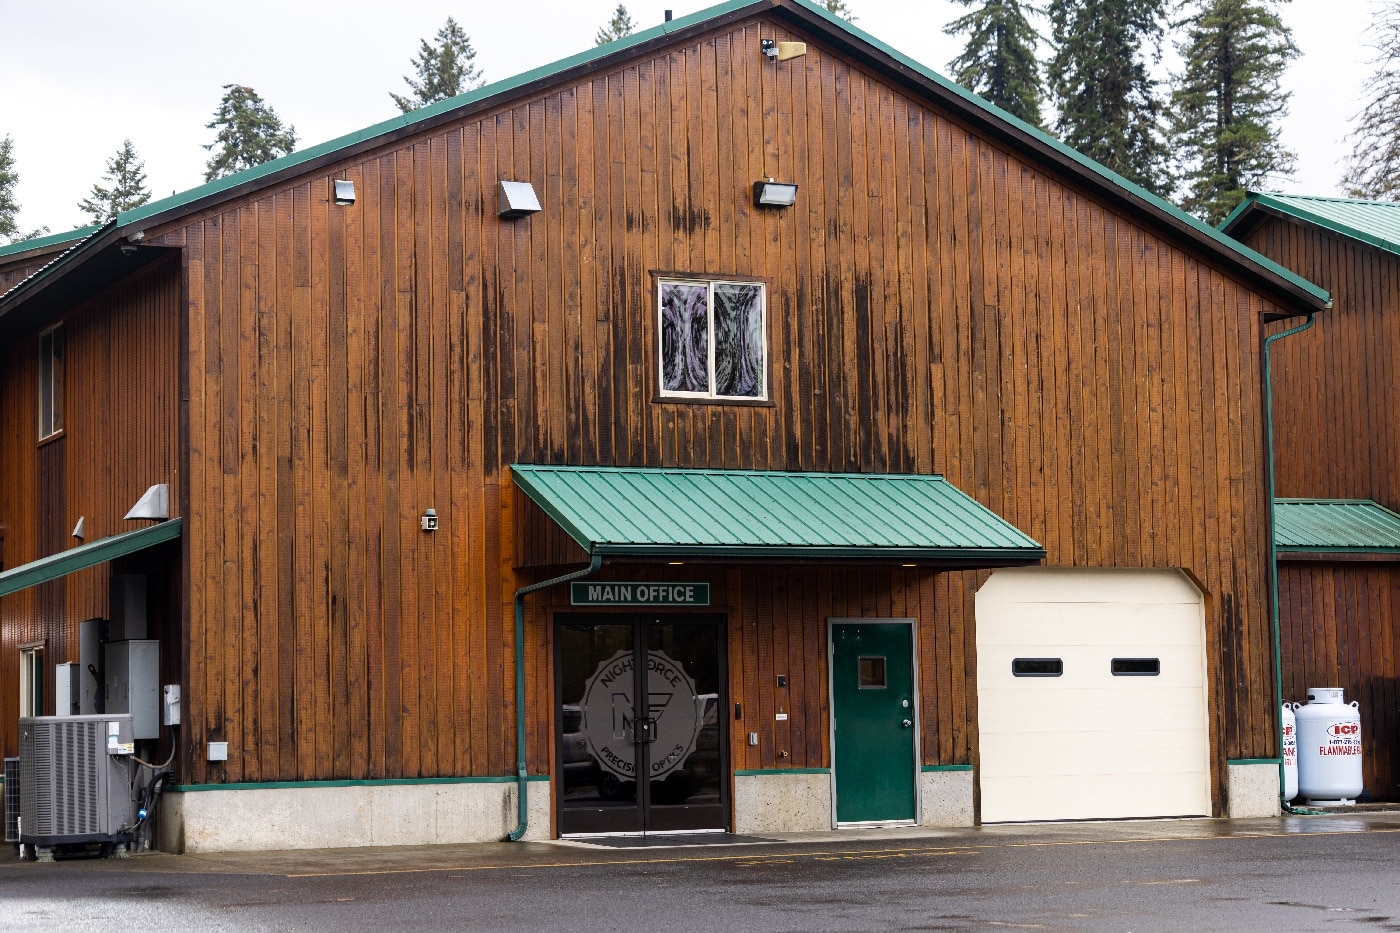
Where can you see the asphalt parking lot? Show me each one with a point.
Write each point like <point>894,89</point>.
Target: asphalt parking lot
<point>1292,873</point>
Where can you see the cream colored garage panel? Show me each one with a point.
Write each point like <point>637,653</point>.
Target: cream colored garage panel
<point>1088,744</point>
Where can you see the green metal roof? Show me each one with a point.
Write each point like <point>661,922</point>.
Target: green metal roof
<point>655,512</point>
<point>1373,222</point>
<point>344,145</point>
<point>53,239</point>
<point>1339,525</point>
<point>86,555</point>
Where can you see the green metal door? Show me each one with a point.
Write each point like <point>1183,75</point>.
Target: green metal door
<point>873,723</point>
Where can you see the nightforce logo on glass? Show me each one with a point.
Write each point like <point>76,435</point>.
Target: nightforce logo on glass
<point>607,708</point>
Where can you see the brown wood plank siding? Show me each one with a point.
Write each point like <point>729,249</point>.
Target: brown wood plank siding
<point>121,418</point>
<point>937,304</point>
<point>1336,437</point>
<point>1338,631</point>
<point>1337,386</point>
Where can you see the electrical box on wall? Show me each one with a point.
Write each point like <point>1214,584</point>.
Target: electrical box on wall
<point>91,633</point>
<point>170,705</point>
<point>133,684</point>
<point>67,681</point>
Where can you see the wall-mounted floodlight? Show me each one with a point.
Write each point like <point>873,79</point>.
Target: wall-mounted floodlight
<point>516,199</point>
<point>155,503</point>
<point>772,193</point>
<point>782,51</point>
<point>344,191</point>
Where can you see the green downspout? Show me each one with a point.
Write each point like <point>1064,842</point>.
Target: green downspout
<point>1273,554</point>
<point>521,778</point>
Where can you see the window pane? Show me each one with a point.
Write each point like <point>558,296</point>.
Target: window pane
<point>57,372</point>
<point>871,673</point>
<point>1037,667</point>
<point>1136,667</point>
<point>739,340</point>
<point>46,384</point>
<point>685,347</point>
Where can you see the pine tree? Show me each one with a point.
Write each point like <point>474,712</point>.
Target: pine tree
<point>1227,102</point>
<point>444,70</point>
<point>250,133</point>
<point>1099,82</point>
<point>841,8</point>
<point>1373,169</point>
<point>9,207</point>
<point>127,174</point>
<point>999,60</point>
<point>620,25</point>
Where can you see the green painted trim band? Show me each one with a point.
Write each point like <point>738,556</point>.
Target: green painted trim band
<point>1252,761</point>
<point>767,772</point>
<point>928,768</point>
<point>382,782</point>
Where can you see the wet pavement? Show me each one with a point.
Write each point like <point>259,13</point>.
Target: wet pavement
<point>1291,873</point>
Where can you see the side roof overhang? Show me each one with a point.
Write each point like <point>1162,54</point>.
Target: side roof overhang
<point>1375,223</point>
<point>1287,288</point>
<point>87,555</point>
<point>1331,530</point>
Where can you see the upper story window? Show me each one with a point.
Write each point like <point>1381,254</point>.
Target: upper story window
<point>714,339</point>
<point>51,382</point>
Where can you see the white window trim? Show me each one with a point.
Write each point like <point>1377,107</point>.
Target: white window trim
<point>31,697</point>
<point>711,394</point>
<point>50,385</point>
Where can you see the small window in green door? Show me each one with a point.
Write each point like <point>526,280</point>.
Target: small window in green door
<point>872,673</point>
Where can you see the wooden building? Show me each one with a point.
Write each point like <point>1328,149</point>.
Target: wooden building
<point>1337,441</point>
<point>931,495</point>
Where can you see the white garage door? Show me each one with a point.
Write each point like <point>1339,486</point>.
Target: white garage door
<point>1091,695</point>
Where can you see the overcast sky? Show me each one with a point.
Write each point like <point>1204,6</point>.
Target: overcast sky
<point>77,76</point>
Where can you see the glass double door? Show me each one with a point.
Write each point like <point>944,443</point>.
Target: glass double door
<point>641,735</point>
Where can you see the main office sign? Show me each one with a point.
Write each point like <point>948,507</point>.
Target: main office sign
<point>613,593</point>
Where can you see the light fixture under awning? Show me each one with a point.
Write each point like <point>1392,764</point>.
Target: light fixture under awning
<point>725,514</point>
<point>86,555</point>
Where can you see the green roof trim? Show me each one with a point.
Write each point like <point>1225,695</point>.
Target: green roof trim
<point>86,555</point>
<point>658,512</point>
<point>369,782</point>
<point>153,211</point>
<point>1373,222</point>
<point>53,239</point>
<point>1356,526</point>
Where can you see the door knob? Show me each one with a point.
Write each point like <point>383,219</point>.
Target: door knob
<point>907,723</point>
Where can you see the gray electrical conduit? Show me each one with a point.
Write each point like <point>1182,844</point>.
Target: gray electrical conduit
<point>521,782</point>
<point>1273,559</point>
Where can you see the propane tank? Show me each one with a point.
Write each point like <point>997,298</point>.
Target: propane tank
<point>1290,752</point>
<point>1329,748</point>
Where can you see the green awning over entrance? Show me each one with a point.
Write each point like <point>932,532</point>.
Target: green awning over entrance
<point>651,512</point>
<point>1358,526</point>
<point>85,555</point>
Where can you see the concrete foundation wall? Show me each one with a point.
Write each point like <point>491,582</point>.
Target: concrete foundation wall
<point>782,802</point>
<point>323,817</point>
<point>1252,790</point>
<point>946,798</point>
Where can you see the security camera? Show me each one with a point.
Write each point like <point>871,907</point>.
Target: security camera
<point>128,249</point>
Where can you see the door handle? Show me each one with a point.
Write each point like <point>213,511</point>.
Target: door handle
<point>908,723</point>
